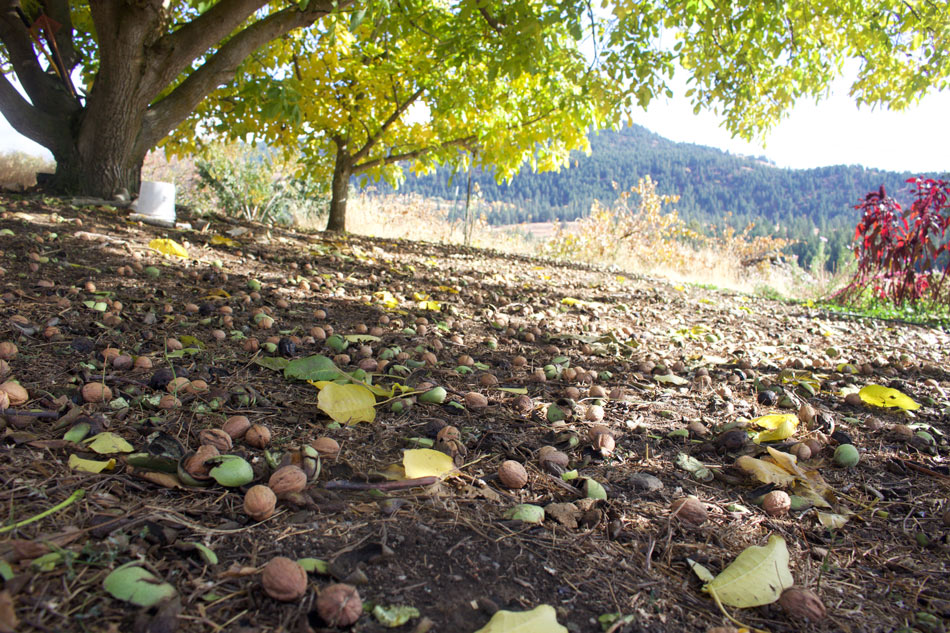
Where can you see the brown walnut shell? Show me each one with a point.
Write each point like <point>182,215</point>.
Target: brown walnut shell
<point>340,605</point>
<point>287,479</point>
<point>284,579</point>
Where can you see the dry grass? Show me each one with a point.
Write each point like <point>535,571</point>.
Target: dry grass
<point>18,170</point>
<point>719,263</point>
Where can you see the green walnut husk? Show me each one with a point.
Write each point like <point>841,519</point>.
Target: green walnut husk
<point>232,471</point>
<point>847,456</point>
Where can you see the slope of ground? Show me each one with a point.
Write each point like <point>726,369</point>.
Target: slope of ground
<point>672,374</point>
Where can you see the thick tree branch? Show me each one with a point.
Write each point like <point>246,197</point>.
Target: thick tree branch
<point>422,151</point>
<point>398,112</point>
<point>45,91</point>
<point>27,120</point>
<point>220,68</point>
<point>174,52</point>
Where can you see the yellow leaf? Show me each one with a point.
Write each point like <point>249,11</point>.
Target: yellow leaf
<point>90,465</point>
<point>831,521</point>
<point>880,396</point>
<point>786,460</point>
<point>541,619</point>
<point>425,462</point>
<point>420,296</point>
<point>386,298</point>
<point>766,472</point>
<point>347,404</point>
<point>220,239</point>
<point>448,289</point>
<point>433,306</point>
<point>756,577</point>
<point>784,430</point>
<point>571,301</point>
<point>105,443</point>
<point>168,247</point>
<point>774,420</point>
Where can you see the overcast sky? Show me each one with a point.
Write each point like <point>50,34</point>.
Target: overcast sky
<point>832,132</point>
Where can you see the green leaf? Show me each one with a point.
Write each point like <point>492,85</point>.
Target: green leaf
<point>277,363</point>
<point>541,619</point>
<point>392,617</point>
<point>694,467</point>
<point>138,586</point>
<point>207,554</point>
<point>315,368</point>
<point>314,565</point>
<point>347,404</point>
<point>756,577</point>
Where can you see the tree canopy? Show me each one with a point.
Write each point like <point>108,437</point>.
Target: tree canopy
<point>514,80</point>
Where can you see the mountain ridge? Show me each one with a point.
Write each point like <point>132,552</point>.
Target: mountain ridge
<point>813,206</point>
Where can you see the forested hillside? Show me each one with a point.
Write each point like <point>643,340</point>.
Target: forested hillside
<point>715,187</point>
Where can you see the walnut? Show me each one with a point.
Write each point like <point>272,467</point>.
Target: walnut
<point>602,439</point>
<point>340,605</point>
<point>553,460</point>
<point>195,465</point>
<point>217,438</point>
<point>328,447</point>
<point>287,479</point>
<point>236,426</point>
<point>258,436</point>
<point>259,502</point>
<point>512,474</point>
<point>777,503</point>
<point>802,604</point>
<point>284,579</point>
<point>96,392</point>
<point>475,400</point>
<point>689,510</point>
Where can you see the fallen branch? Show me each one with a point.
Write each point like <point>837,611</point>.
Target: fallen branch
<point>338,484</point>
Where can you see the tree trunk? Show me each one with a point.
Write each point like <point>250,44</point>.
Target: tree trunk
<point>99,145</point>
<point>340,189</point>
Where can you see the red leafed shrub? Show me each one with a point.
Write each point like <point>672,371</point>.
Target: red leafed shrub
<point>903,254</point>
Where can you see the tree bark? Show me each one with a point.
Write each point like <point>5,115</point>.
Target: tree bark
<point>340,188</point>
<point>99,146</point>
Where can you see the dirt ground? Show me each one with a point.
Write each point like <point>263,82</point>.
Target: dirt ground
<point>667,372</point>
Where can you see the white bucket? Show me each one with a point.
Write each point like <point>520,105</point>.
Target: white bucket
<point>155,204</point>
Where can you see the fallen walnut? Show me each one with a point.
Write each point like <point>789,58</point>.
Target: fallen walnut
<point>260,502</point>
<point>284,579</point>
<point>340,605</point>
<point>777,503</point>
<point>802,604</point>
<point>512,474</point>
<point>690,510</point>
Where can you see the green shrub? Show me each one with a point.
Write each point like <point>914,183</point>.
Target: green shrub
<point>254,184</point>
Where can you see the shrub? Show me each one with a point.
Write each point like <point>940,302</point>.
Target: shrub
<point>634,228</point>
<point>900,251</point>
<point>253,184</point>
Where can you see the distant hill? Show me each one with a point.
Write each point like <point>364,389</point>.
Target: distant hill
<point>714,187</point>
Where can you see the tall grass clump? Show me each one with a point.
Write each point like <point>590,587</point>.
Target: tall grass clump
<point>18,169</point>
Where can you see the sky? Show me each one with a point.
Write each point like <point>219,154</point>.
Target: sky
<point>832,132</point>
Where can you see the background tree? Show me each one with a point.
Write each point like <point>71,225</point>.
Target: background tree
<point>412,85</point>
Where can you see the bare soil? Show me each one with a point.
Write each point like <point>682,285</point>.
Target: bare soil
<point>76,281</point>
